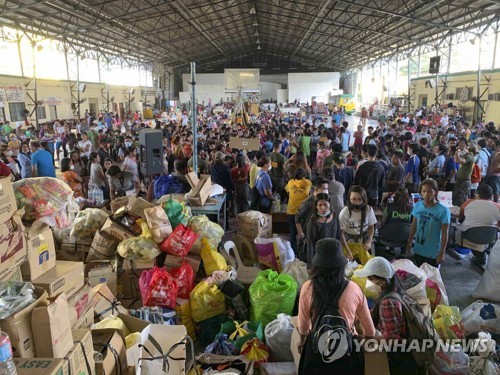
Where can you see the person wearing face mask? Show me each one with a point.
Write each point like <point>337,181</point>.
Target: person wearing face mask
<point>7,157</point>
<point>320,185</point>
<point>123,151</point>
<point>436,167</point>
<point>14,144</point>
<point>357,225</point>
<point>387,313</point>
<point>322,223</point>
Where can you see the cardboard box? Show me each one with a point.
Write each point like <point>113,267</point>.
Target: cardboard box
<point>65,277</point>
<point>41,251</point>
<point>118,203</point>
<point>105,303</point>
<point>102,272</point>
<point>39,366</point>
<point>18,327</point>
<point>72,256</point>
<point>79,303</point>
<point>112,346</point>
<point>172,261</point>
<point>102,248</point>
<point>13,274</point>
<point>136,206</point>
<point>86,320</point>
<point>277,368</point>
<point>12,244</point>
<point>133,324</point>
<point>81,356</point>
<point>244,143</point>
<point>129,282</point>
<point>52,329</point>
<point>116,231</point>
<point>200,188</point>
<point>251,224</point>
<point>8,204</point>
<point>134,265</point>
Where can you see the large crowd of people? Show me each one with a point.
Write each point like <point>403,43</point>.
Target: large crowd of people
<point>342,180</point>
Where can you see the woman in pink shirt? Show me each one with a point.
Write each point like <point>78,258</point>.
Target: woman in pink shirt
<point>327,285</point>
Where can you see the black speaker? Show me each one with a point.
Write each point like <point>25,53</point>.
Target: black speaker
<point>151,151</point>
<point>434,65</point>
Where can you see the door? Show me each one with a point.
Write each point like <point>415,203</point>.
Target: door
<point>422,100</point>
<point>53,112</point>
<point>122,111</point>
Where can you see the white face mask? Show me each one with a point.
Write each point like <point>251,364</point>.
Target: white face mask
<point>8,153</point>
<point>373,288</point>
<point>326,214</point>
<point>270,167</point>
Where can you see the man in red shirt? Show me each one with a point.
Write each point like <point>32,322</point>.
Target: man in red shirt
<point>239,174</point>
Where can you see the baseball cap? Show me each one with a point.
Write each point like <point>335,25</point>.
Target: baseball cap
<point>377,266</point>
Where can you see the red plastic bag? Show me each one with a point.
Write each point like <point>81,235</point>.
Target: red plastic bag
<point>162,289</point>
<point>144,282</point>
<point>180,241</point>
<point>184,277</point>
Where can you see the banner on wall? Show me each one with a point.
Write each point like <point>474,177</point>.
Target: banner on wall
<point>52,100</point>
<point>15,93</point>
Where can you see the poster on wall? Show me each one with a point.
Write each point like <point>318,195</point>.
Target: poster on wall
<point>52,100</point>
<point>14,93</point>
<point>3,98</point>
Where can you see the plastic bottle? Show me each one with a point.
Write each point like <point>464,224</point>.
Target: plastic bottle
<point>100,196</point>
<point>92,196</point>
<point>7,366</point>
<point>278,203</point>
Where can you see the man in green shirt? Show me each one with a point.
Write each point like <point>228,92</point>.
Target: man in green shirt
<point>7,129</point>
<point>461,191</point>
<point>305,144</point>
<point>277,172</point>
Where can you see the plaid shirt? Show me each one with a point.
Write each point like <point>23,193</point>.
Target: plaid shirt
<point>391,322</point>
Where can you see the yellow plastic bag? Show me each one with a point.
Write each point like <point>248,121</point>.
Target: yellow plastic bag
<point>132,339</point>
<point>358,252</point>
<point>183,312</point>
<point>240,331</point>
<point>212,260</point>
<point>255,350</point>
<point>206,302</point>
<point>146,233</point>
<point>448,322</point>
<point>361,281</point>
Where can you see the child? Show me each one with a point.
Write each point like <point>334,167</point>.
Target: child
<point>71,178</point>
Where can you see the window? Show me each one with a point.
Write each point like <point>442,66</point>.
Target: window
<point>53,112</point>
<point>40,112</point>
<point>17,111</point>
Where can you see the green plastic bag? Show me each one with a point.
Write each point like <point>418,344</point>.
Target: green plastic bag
<point>271,294</point>
<point>177,212</point>
<point>243,332</point>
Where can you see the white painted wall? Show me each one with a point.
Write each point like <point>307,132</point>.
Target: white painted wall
<point>208,86</point>
<point>61,90</point>
<point>269,90</point>
<point>282,96</point>
<point>307,85</point>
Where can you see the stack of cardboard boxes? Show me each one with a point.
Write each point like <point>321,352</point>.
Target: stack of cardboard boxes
<point>43,334</point>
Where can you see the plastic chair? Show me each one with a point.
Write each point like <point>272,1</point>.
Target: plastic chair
<point>486,235</point>
<point>246,250</point>
<point>246,275</point>
<point>394,235</point>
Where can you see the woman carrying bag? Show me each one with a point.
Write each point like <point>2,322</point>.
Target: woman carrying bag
<point>357,225</point>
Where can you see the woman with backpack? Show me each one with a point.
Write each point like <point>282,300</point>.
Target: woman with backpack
<point>388,312</point>
<point>263,187</point>
<point>328,292</point>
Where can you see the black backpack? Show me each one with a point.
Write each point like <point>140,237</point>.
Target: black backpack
<point>331,335</point>
<point>255,196</point>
